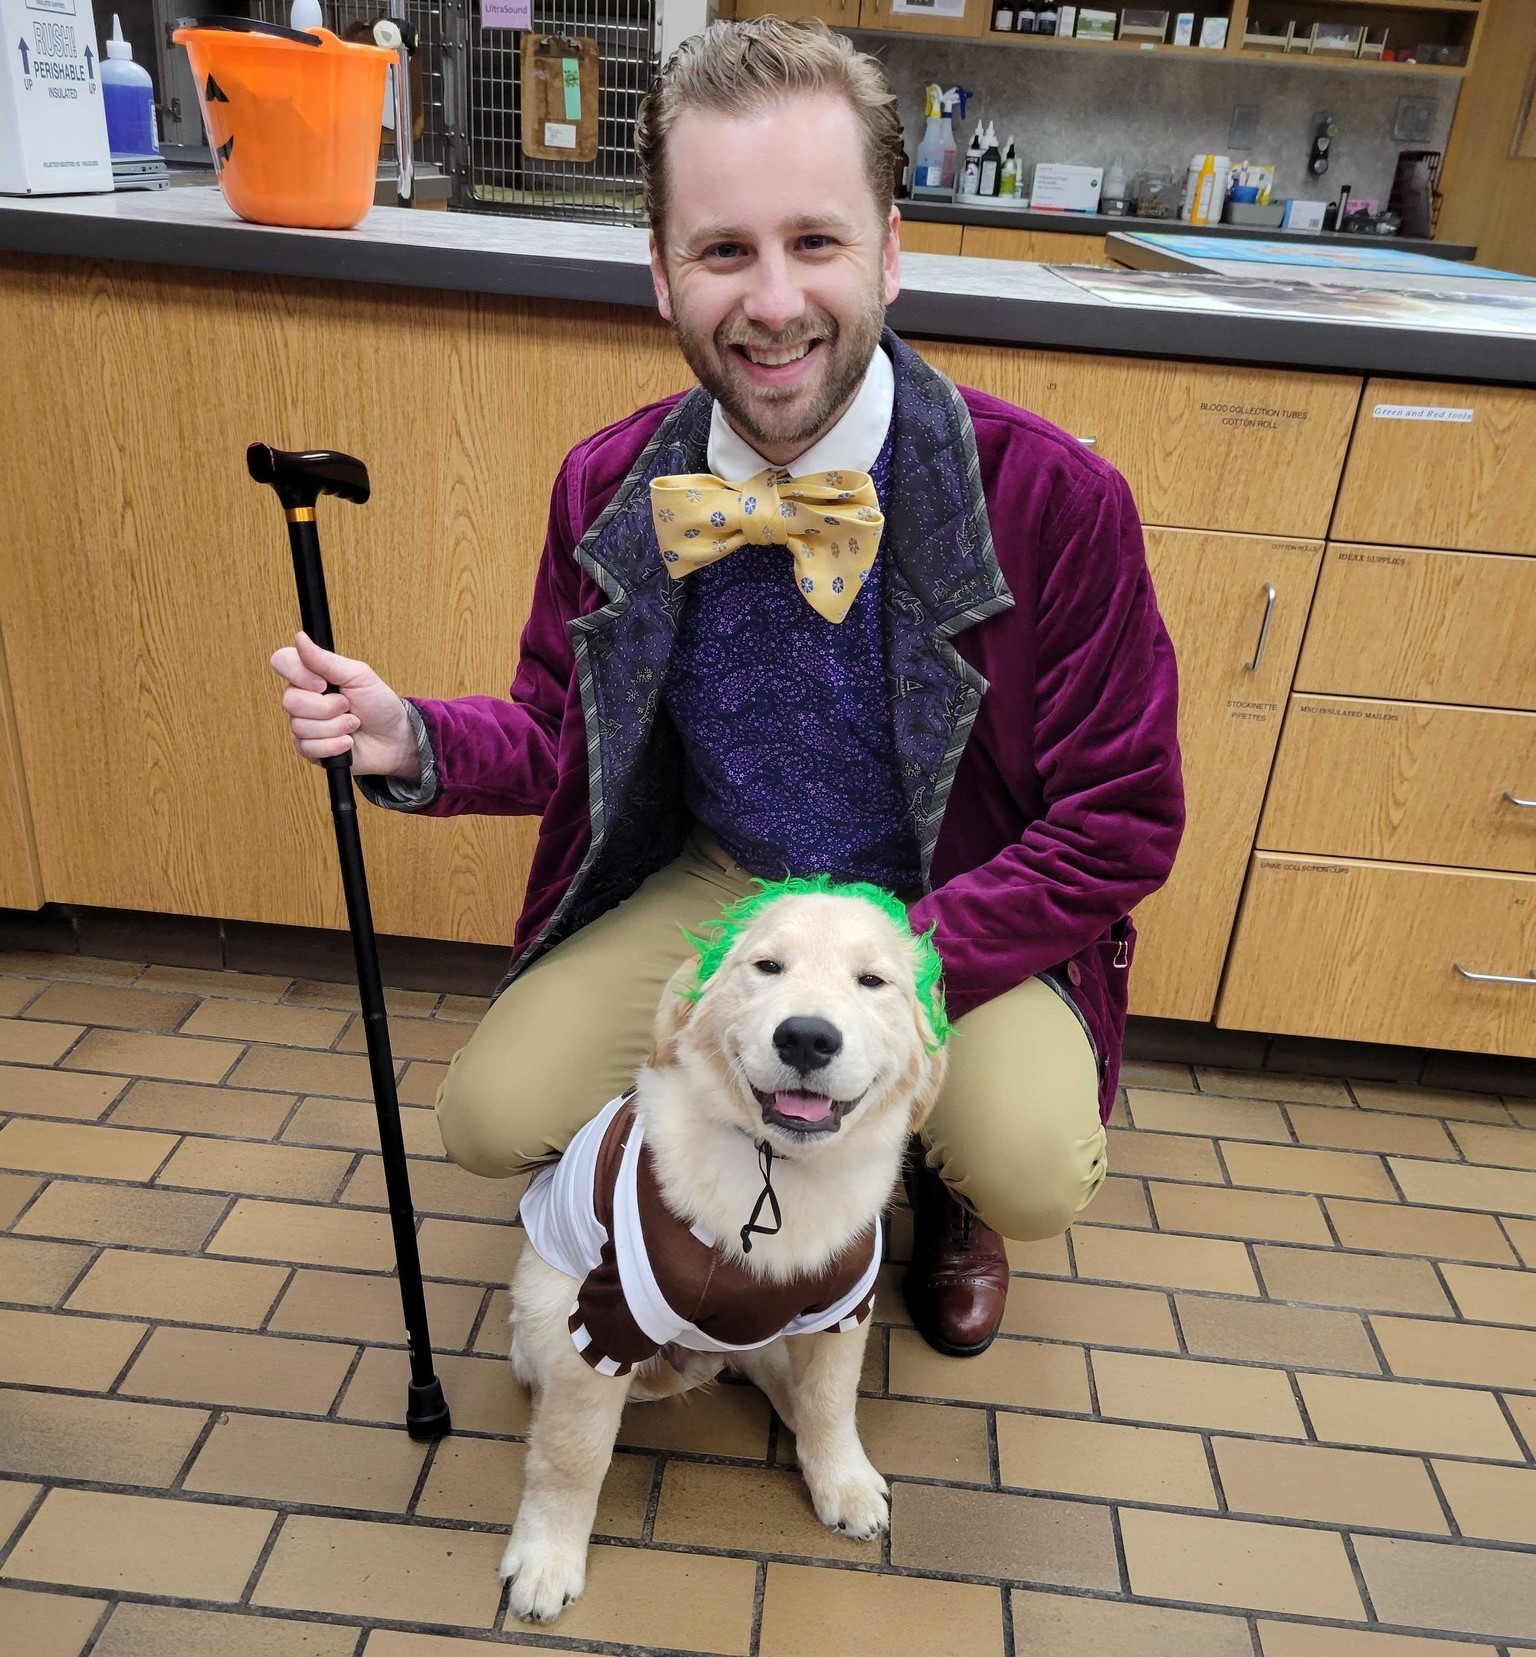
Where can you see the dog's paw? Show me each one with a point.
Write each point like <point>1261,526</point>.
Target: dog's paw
<point>855,1501</point>
<point>545,1577</point>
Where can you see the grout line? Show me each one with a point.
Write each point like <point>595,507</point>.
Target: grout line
<point>994,1454</point>
<point>759,1593</point>
<point>94,1638</point>
<point>1213,1467</point>
<point>1252,1623</point>
<point>204,1433</point>
<point>8,1544</point>
<point>1122,1564</point>
<point>1009,1643</point>
<point>1361,1587</point>
<point>128,1363</point>
<point>653,1498</point>
<point>279,1519</point>
<point>1452,1525</point>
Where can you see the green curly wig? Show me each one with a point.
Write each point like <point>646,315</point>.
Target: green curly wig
<point>735,918</point>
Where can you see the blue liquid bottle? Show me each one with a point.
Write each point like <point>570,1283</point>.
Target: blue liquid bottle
<point>128,95</point>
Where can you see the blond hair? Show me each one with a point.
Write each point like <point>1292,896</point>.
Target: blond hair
<point>739,68</point>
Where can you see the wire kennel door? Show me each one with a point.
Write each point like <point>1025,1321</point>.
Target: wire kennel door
<point>495,175</point>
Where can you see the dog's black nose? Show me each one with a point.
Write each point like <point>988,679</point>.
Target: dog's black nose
<point>807,1044</point>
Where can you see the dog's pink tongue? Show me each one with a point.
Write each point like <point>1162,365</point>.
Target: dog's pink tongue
<point>802,1107</point>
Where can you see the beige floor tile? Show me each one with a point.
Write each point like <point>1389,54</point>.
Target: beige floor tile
<point>722,1420</point>
<point>681,1601</point>
<point>1523,1234</point>
<point>122,1009</point>
<point>48,1625</point>
<point>1300,1337</point>
<point>1497,1147</point>
<point>1424,1101</point>
<point>1367,1282</point>
<point>51,1349</point>
<point>410,1038</point>
<point>1260,1216</point>
<point>1046,1258</point>
<point>297,1070</point>
<point>352,1126</point>
<point>439,1188</point>
<point>1186,1393</point>
<point>1090,1312</point>
<point>464,1009</point>
<point>1297,1639</point>
<point>1489,1296</point>
<point>15,1499</point>
<point>1334,1487</point>
<point>1201,1113</point>
<point>987,1533</point>
<point>1118,1201</point>
<point>1319,1173</point>
<point>419,1084</point>
<point>176,1631</point>
<point>1053,1625</point>
<point>469,1251</point>
<point>34,1273</point>
<point>923,1441</point>
<point>1370,1130</point>
<point>751,1510</point>
<point>84,968</point>
<point>1238,1563</point>
<point>69,1094</point>
<point>241,1167</point>
<point>876,1365</point>
<point>94,1153</point>
<point>317,1463</point>
<point>1439,1585</point>
<point>122,1214</point>
<point>397,1573</point>
<point>890,1307</point>
<point>1494,1503</point>
<point>359,1307</point>
<point>257,1372</point>
<point>179,1289</point>
<point>27,1041</point>
<point>483,1393</point>
<point>1471,1354</point>
<point>265,1022</point>
<point>318,992</point>
<point>141,1545</point>
<point>1164,1156</point>
<point>394,1642</point>
<point>1272,1084</point>
<point>809,1612</point>
<point>481,1481</point>
<point>1456,1185</point>
<point>1025,1374</point>
<point>304,1235</point>
<point>16,1191</point>
<point>1523,1409</point>
<point>171,1058</point>
<point>494,1335</point>
<point>1394,1415</point>
<point>1176,1078</point>
<point>1101,1458</point>
<point>241,986</point>
<point>15,993</point>
<point>1166,1261</point>
<point>1439,1234</point>
<point>185,1107</point>
<point>55,1435</point>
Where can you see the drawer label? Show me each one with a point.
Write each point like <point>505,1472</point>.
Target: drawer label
<point>1330,712</point>
<point>1422,411</point>
<point>1368,557</point>
<point>1259,712</point>
<point>1255,415</point>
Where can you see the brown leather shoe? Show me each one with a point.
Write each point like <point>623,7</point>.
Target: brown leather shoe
<point>957,1284</point>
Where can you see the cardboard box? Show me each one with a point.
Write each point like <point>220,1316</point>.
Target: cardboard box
<point>1304,215</point>
<point>1184,29</point>
<point>1144,23</point>
<point>1062,189</point>
<point>1213,33</point>
<point>53,125</point>
<point>1066,21</point>
<point>1093,24</point>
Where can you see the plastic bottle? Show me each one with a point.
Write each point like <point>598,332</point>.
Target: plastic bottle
<point>1008,183</point>
<point>970,179</point>
<point>1002,17</point>
<point>930,152</point>
<point>305,14</point>
<point>991,163</point>
<point>128,97</point>
<point>1191,188</point>
<point>956,95</point>
<point>1114,181</point>
<point>1024,19</point>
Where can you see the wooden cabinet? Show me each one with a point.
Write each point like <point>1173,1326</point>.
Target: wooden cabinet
<point>1237,650</point>
<point>1437,465</point>
<point>843,14</point>
<point>1405,782</point>
<point>1423,626</point>
<point>1046,247</point>
<point>879,14</point>
<point>1378,952</point>
<point>1202,446</point>
<point>924,236</point>
<point>21,885</point>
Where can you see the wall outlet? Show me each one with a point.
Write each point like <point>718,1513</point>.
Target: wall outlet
<point>1245,129</point>
<point>1415,123</point>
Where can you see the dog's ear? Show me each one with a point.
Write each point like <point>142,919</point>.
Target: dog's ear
<point>672,1012</point>
<point>935,1067</point>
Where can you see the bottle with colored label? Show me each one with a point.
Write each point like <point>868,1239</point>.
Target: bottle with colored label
<point>128,97</point>
<point>991,163</point>
<point>971,177</point>
<point>1009,184</point>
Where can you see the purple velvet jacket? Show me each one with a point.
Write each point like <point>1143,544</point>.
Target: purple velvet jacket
<point>1033,689</point>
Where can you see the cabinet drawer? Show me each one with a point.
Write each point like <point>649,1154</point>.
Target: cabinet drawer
<point>1202,446</point>
<point>1046,247</point>
<point>1423,627</point>
<point>1405,782</point>
<point>1442,482</point>
<point>924,236</point>
<point>877,14</point>
<point>1370,952</point>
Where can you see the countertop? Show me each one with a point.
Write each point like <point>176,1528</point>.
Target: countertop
<point>997,301</point>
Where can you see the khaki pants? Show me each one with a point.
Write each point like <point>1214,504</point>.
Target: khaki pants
<point>1016,1132</point>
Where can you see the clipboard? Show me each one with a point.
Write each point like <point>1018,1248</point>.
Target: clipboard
<point>559,97</point>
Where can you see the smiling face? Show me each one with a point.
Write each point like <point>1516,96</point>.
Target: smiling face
<point>776,264</point>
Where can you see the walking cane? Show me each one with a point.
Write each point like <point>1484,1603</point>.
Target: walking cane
<point>299,480</point>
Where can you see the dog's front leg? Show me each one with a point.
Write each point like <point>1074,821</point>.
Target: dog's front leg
<point>570,1444</point>
<point>847,1492</point>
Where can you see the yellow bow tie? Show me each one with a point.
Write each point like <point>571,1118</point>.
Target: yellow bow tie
<point>830,521</point>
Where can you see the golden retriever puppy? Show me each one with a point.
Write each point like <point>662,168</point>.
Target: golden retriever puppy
<point>727,1212</point>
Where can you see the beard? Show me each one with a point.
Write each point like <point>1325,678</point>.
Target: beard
<point>785,416</point>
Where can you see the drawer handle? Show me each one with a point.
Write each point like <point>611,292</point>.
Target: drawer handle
<point>1269,610</point>
<point>1514,799</point>
<point>1089,442</point>
<point>1495,977</point>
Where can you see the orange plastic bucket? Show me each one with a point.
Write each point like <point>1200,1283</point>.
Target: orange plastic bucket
<point>292,118</point>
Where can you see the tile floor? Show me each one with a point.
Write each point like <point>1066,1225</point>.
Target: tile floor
<point>1274,1397</point>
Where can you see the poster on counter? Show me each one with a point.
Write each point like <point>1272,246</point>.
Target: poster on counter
<point>506,14</point>
<point>928,8</point>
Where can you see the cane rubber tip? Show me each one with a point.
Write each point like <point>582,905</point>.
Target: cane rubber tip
<point>426,1410</point>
